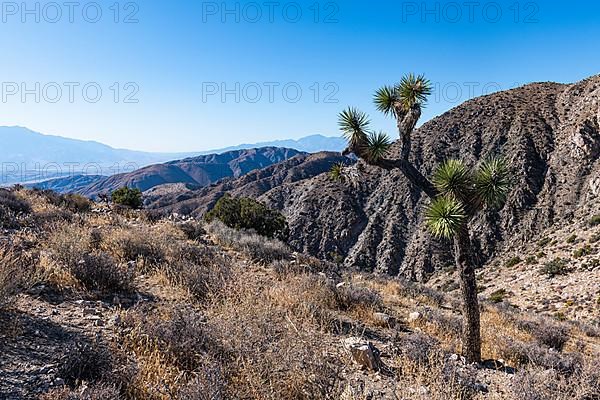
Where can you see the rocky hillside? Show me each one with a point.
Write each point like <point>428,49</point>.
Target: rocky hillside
<point>197,171</point>
<point>550,134</point>
<point>184,199</point>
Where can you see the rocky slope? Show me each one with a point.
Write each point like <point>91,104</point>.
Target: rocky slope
<point>549,132</point>
<point>185,199</point>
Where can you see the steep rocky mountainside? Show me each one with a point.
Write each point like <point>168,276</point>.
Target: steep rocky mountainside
<point>185,199</point>
<point>198,171</point>
<point>550,134</point>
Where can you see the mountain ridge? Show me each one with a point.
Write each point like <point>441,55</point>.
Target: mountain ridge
<point>549,132</point>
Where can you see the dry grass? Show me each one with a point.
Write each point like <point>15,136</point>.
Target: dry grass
<point>259,248</point>
<point>16,274</point>
<point>249,319</point>
<point>74,256</point>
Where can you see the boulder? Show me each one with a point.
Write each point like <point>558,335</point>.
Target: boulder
<point>363,353</point>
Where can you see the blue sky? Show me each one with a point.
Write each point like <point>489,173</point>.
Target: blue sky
<point>162,66</point>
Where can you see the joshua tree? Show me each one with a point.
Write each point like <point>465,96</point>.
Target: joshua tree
<point>456,192</point>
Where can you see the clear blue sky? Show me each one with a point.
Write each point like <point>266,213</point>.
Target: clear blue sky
<point>180,54</point>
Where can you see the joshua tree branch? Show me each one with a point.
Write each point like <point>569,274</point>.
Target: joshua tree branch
<point>408,170</point>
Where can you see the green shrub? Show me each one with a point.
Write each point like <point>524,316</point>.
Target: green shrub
<point>584,251</point>
<point>595,220</point>
<point>498,296</point>
<point>531,260</point>
<point>512,262</point>
<point>544,242</point>
<point>76,203</point>
<point>558,266</point>
<point>127,197</point>
<point>572,239</point>
<point>246,213</point>
<point>594,238</point>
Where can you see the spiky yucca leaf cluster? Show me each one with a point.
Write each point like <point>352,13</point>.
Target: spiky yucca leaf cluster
<point>492,182</point>
<point>373,146</point>
<point>411,91</point>
<point>385,100</point>
<point>378,146</point>
<point>453,178</point>
<point>462,192</point>
<point>337,171</point>
<point>445,216</point>
<point>354,124</point>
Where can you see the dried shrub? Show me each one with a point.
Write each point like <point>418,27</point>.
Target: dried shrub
<point>16,272</point>
<point>98,391</point>
<point>76,203</point>
<point>85,361</point>
<point>439,378</point>
<point>302,264</point>
<point>12,202</point>
<point>99,271</point>
<point>441,322</point>
<point>418,291</point>
<point>274,354</point>
<point>547,332</point>
<point>538,384</point>
<point>193,230</point>
<point>68,244</point>
<point>175,352</point>
<point>137,244</point>
<point>74,248</point>
<point>181,333</point>
<point>416,347</point>
<point>196,268</point>
<point>352,296</point>
<point>259,248</point>
<point>532,353</point>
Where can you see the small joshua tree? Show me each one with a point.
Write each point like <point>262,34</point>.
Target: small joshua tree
<point>457,193</point>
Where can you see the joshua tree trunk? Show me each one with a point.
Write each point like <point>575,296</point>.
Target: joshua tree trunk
<point>468,286</point>
<point>407,120</point>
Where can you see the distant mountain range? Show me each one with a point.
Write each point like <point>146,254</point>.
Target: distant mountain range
<point>29,156</point>
<point>192,172</point>
<point>308,144</point>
